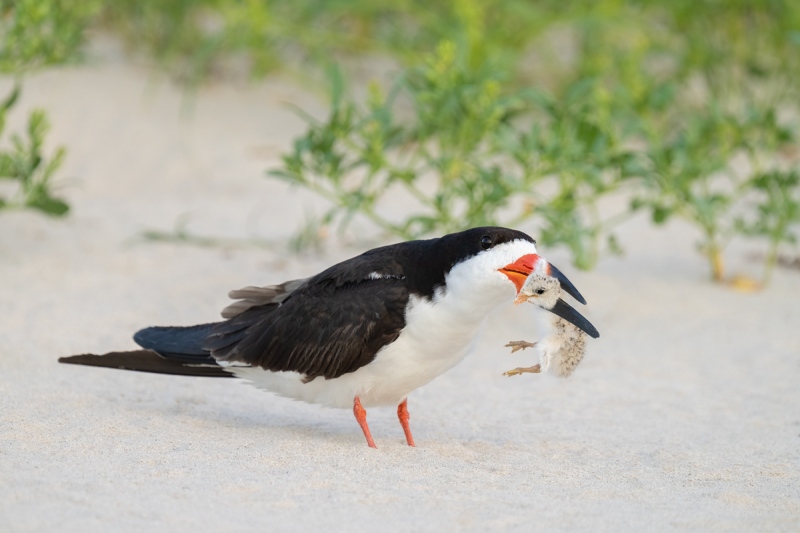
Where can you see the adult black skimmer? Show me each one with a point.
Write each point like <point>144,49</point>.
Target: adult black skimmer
<point>364,332</point>
<point>564,343</point>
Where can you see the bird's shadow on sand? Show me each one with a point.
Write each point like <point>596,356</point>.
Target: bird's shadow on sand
<point>283,418</point>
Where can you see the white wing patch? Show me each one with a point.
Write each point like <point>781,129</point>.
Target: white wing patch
<point>378,275</point>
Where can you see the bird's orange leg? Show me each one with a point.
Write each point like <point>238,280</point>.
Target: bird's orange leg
<point>402,414</point>
<point>361,416</point>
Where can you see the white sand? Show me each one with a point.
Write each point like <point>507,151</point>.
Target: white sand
<point>685,414</point>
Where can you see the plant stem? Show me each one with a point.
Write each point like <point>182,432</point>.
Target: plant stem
<point>770,261</point>
<point>772,255</point>
<point>717,264</point>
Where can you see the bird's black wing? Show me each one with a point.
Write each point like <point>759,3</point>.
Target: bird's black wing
<point>327,328</point>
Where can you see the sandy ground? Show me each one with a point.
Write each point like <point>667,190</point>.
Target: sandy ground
<point>685,414</point>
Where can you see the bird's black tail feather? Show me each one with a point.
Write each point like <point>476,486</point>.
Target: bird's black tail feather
<point>179,343</point>
<point>150,361</point>
<point>167,350</point>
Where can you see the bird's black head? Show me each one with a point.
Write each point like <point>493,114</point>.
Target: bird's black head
<point>433,259</point>
<point>465,244</point>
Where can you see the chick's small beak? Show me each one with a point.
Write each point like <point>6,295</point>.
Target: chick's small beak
<point>519,270</point>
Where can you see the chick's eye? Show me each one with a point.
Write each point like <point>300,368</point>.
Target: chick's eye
<point>486,242</point>
<point>539,291</point>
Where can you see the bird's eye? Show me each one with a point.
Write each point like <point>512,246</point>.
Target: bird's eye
<point>539,291</point>
<point>486,242</point>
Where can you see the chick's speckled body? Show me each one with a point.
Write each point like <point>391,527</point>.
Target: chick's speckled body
<point>563,345</point>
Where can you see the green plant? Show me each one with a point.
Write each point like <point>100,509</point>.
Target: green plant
<point>35,34</point>
<point>776,212</point>
<point>25,164</point>
<point>358,156</point>
<point>691,177</point>
<point>38,33</point>
<point>624,118</point>
<point>579,148</point>
<point>694,175</point>
<point>194,38</point>
<point>462,158</point>
<point>701,90</point>
<point>533,112</point>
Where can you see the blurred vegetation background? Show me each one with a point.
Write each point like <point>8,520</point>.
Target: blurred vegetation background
<point>499,111</point>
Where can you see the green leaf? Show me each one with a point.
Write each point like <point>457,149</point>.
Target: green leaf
<point>48,204</point>
<point>337,85</point>
<point>10,100</point>
<point>661,214</point>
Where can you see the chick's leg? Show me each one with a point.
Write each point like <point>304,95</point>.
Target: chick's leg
<point>535,369</point>
<point>519,345</point>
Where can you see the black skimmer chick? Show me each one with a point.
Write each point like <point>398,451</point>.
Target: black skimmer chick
<point>365,332</point>
<point>564,344</point>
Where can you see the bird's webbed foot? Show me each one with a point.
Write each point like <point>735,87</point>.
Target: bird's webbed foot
<point>519,345</point>
<point>535,369</point>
